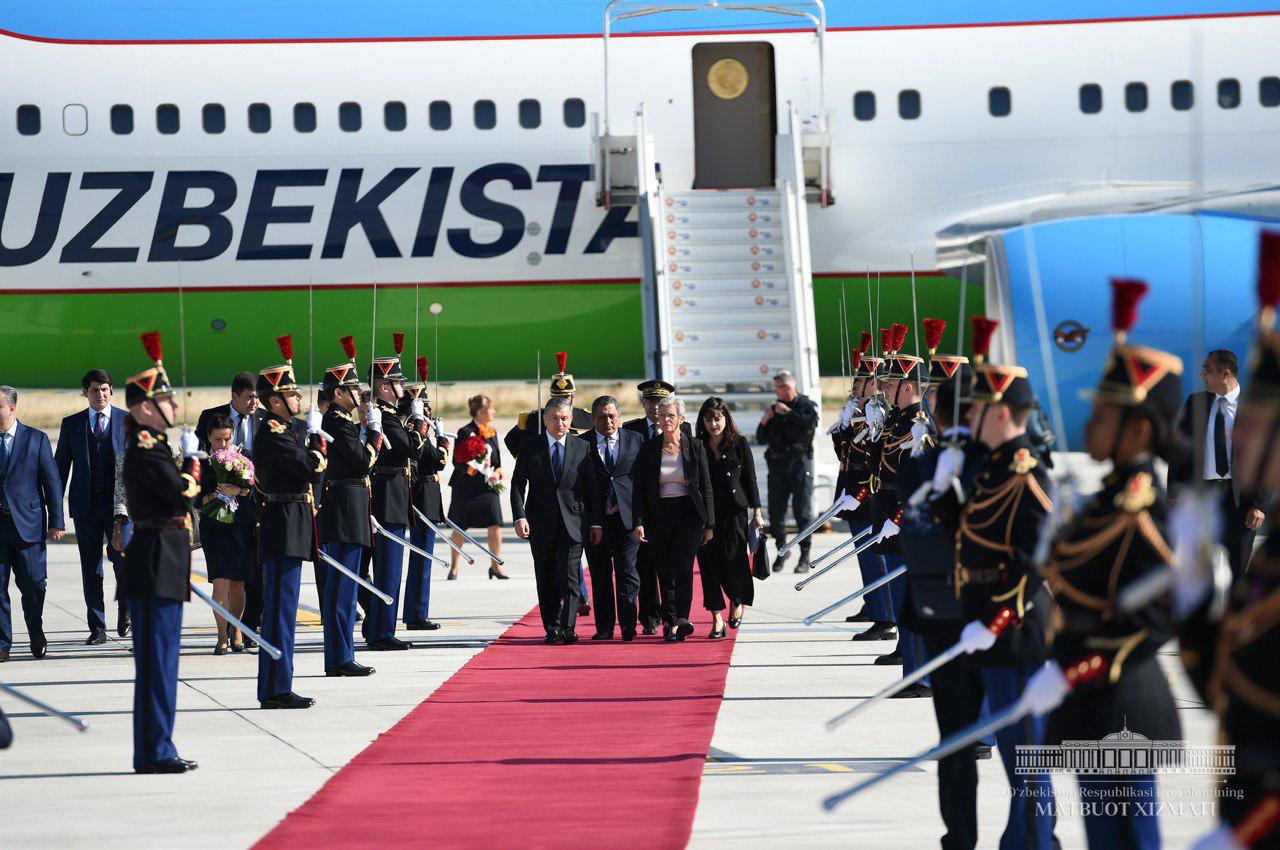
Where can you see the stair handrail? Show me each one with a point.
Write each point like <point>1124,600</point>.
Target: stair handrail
<point>791,188</point>
<point>649,206</point>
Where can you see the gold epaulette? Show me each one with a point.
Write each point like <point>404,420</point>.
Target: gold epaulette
<point>192,489</point>
<point>146,440</point>
<point>1138,494</point>
<point>276,426</point>
<point>1023,462</point>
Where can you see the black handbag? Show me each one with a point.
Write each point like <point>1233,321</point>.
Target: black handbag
<point>759,557</point>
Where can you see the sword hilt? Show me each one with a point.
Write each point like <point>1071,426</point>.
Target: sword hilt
<point>1085,670</point>
<point>1002,621</point>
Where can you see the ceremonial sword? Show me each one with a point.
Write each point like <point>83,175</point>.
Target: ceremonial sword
<point>235,621</point>
<point>439,532</point>
<point>76,722</point>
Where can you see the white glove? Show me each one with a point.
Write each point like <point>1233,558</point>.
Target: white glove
<point>976,637</point>
<point>373,418</point>
<point>314,419</point>
<point>1046,690</point>
<point>417,410</point>
<point>950,465</point>
<point>889,529</point>
<point>919,430</point>
<point>1222,838</point>
<point>190,445</point>
<point>846,413</point>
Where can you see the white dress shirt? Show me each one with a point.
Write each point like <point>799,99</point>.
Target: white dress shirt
<point>1228,404</point>
<point>105,413</point>
<point>551,447</point>
<point>236,433</point>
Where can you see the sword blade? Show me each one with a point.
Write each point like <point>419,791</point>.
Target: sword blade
<point>845,502</point>
<point>442,536</point>
<point>852,541</point>
<point>74,721</point>
<point>856,595</point>
<point>324,556</point>
<point>235,621</point>
<point>474,542</point>
<point>378,527</point>
<point>902,684</point>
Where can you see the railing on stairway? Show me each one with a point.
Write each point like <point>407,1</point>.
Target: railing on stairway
<point>791,187</point>
<point>649,205</point>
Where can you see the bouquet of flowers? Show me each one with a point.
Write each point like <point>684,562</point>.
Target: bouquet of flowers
<point>474,452</point>
<point>229,467</point>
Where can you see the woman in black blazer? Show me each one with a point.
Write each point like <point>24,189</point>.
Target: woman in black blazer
<point>722,563</point>
<point>228,555</point>
<point>672,496</point>
<point>474,502</point>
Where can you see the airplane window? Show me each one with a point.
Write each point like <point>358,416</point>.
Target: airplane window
<point>486,115</point>
<point>214,118</point>
<point>304,117</point>
<point>864,105</point>
<point>530,114</point>
<point>999,101</point>
<point>28,120</point>
<point>440,115</point>
<point>1090,98</point>
<point>349,117</point>
<point>259,118</point>
<point>575,112</point>
<point>1228,93</point>
<point>1135,97</point>
<point>394,117</point>
<point>167,119</point>
<point>909,104</point>
<point>1269,91</point>
<point>1182,95</point>
<point>122,119</point>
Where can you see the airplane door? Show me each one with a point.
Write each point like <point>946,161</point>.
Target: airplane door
<point>734,117</point>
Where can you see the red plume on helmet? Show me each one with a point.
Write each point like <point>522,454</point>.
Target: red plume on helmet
<point>286,346</point>
<point>422,368</point>
<point>349,346</point>
<point>899,336</point>
<point>855,357</point>
<point>983,330</point>
<point>886,340</point>
<point>562,361</point>
<point>867,338</point>
<point>151,344</point>
<point>397,342</point>
<point>933,329</point>
<point>1126,294</point>
<point>1269,269</point>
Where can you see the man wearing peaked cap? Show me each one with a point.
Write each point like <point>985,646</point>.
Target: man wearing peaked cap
<point>425,496</point>
<point>651,392</point>
<point>287,465</point>
<point>157,561</point>
<point>529,423</point>
<point>344,527</point>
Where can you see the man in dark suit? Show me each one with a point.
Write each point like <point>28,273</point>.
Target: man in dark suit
<point>563,503</point>
<point>1207,422</point>
<point>88,444</point>
<point>613,559</point>
<point>30,508</point>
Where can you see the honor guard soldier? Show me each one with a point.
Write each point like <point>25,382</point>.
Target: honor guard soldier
<point>157,561</point>
<point>995,571</point>
<point>530,422</point>
<point>1116,540</point>
<point>649,604</point>
<point>425,495</point>
<point>1231,643</point>
<point>345,530</point>
<point>907,431</point>
<point>401,448</point>
<point>287,464</point>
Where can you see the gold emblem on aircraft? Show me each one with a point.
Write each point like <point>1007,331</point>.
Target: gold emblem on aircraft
<point>727,78</point>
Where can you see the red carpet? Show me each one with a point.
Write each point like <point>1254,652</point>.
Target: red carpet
<point>600,744</point>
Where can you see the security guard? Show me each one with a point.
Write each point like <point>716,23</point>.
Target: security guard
<point>344,512</point>
<point>530,422</point>
<point>651,392</point>
<point>786,430</point>
<point>1117,539</point>
<point>287,464</point>
<point>425,495</point>
<point>157,561</point>
<point>401,448</point>
<point>996,541</point>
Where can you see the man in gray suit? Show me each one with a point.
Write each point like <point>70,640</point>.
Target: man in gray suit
<point>615,581</point>
<point>563,502</point>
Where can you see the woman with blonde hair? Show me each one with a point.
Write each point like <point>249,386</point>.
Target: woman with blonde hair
<point>475,482</point>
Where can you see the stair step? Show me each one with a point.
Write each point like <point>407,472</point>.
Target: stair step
<point>711,303</point>
<point>725,251</point>
<point>728,285</point>
<point>729,370</point>
<point>693,320</point>
<point>682,267</point>
<point>684,336</point>
<point>739,200</point>
<point>733,235</point>
<point>722,218</point>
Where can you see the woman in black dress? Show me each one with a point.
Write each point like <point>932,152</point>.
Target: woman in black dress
<point>722,563</point>
<point>226,545</point>
<point>473,501</point>
<point>674,512</point>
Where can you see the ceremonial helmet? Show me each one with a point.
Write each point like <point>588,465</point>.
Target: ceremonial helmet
<point>654,388</point>
<point>941,367</point>
<point>562,381</point>
<point>279,379</point>
<point>152,383</point>
<point>866,367</point>
<point>418,387</point>
<point>1255,451</point>
<point>899,366</point>
<point>1137,376</point>
<point>389,368</point>
<point>995,383</point>
<point>343,374</point>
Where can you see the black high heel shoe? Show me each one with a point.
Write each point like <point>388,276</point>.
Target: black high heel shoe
<point>452,576</point>
<point>734,622</point>
<point>717,634</point>
<point>494,572</point>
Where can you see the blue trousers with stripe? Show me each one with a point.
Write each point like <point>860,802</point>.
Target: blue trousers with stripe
<point>388,569</point>
<point>281,578</point>
<point>910,644</point>
<point>338,611</point>
<point>157,635</point>
<point>1123,827</point>
<point>417,587</point>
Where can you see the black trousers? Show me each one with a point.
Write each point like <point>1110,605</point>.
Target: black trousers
<point>957,702</point>
<point>649,600</point>
<point>790,483</point>
<point>615,582</point>
<point>557,570</point>
<point>1236,537</point>
<point>724,576</point>
<point>674,539</point>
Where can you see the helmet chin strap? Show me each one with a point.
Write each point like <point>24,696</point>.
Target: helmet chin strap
<point>164,417</point>
<point>1125,414</point>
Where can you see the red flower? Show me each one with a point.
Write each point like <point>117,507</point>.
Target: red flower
<point>469,448</point>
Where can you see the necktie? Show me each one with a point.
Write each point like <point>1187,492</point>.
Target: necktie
<point>1221,463</point>
<point>609,459</point>
<point>4,456</point>
<point>97,424</point>
<point>610,500</point>
<point>557,461</point>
